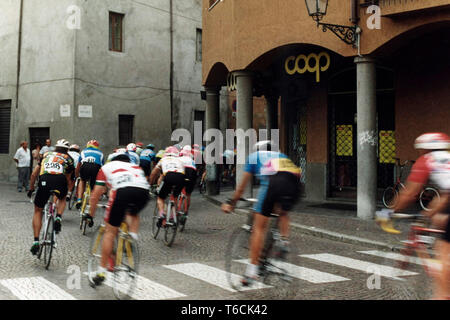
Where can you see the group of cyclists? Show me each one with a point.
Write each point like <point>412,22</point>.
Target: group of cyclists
<point>129,172</point>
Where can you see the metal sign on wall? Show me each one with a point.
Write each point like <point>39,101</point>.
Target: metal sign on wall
<point>310,63</point>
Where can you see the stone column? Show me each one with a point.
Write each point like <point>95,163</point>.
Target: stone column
<point>212,122</point>
<point>244,121</point>
<point>367,137</point>
<point>271,114</point>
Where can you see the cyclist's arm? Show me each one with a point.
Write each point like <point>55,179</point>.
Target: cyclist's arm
<point>438,205</point>
<point>154,175</point>
<point>246,178</point>
<point>77,170</point>
<point>408,195</point>
<point>96,194</point>
<point>34,176</point>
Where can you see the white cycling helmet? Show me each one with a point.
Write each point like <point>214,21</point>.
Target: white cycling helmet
<point>263,145</point>
<point>132,147</point>
<point>63,143</point>
<point>432,141</point>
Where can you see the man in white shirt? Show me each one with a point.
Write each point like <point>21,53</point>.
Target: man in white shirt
<point>23,160</point>
<point>48,147</point>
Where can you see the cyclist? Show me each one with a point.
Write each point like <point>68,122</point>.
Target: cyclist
<point>128,196</point>
<point>90,161</point>
<point>74,152</point>
<point>139,148</point>
<point>132,148</point>
<point>172,170</point>
<point>146,159</point>
<point>432,166</point>
<point>280,182</point>
<point>55,170</point>
<point>190,171</point>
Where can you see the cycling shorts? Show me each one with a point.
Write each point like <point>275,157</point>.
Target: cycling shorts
<point>190,179</point>
<point>283,189</point>
<point>125,200</point>
<point>172,180</point>
<point>47,183</point>
<point>145,165</point>
<point>88,173</point>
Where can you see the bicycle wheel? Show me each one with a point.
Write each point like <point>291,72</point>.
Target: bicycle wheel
<point>126,273</point>
<point>95,253</point>
<point>390,196</point>
<point>48,241</point>
<point>170,229</point>
<point>155,229</point>
<point>236,256</point>
<point>426,196</point>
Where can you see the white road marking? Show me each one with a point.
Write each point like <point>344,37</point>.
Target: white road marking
<point>393,256</point>
<point>146,289</point>
<point>211,275</point>
<point>35,288</point>
<point>368,267</point>
<point>310,275</point>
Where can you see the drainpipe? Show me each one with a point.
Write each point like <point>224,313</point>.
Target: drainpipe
<point>19,50</point>
<point>171,67</point>
<point>355,11</point>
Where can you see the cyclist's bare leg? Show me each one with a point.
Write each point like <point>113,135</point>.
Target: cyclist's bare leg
<point>108,244</point>
<point>442,279</point>
<point>283,221</point>
<point>61,206</point>
<point>37,221</point>
<point>133,223</point>
<point>81,187</point>
<point>260,226</point>
<point>160,203</point>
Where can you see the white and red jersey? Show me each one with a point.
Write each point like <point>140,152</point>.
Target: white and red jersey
<point>433,167</point>
<point>119,174</point>
<point>188,162</point>
<point>170,164</point>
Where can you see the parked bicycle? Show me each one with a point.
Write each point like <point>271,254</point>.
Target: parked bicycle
<point>48,234</point>
<point>124,264</point>
<point>237,253</point>
<point>390,194</point>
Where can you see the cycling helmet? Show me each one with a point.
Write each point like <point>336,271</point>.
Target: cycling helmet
<point>150,146</point>
<point>93,144</point>
<point>120,155</point>
<point>187,148</point>
<point>195,147</point>
<point>63,143</point>
<point>139,144</point>
<point>177,146</point>
<point>171,152</point>
<point>186,153</point>
<point>131,147</point>
<point>432,141</point>
<point>264,145</point>
<point>74,147</point>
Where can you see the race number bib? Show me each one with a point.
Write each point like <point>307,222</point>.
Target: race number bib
<point>53,168</point>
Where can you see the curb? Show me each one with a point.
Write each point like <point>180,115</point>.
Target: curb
<point>331,235</point>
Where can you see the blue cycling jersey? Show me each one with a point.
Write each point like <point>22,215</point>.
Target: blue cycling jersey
<point>91,155</point>
<point>147,155</point>
<point>257,160</point>
<point>134,158</point>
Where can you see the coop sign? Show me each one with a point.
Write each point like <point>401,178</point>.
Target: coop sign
<point>314,63</point>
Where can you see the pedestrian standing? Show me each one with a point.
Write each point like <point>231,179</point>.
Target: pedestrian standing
<point>23,160</point>
<point>48,147</point>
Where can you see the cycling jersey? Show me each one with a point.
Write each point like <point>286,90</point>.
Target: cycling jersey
<point>147,155</point>
<point>188,162</point>
<point>134,158</point>
<point>75,156</point>
<point>91,155</point>
<point>433,167</point>
<point>56,163</point>
<point>170,164</point>
<point>266,163</point>
<point>119,174</point>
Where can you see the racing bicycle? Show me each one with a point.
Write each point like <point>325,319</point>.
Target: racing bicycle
<point>169,224</point>
<point>84,210</point>
<point>48,234</point>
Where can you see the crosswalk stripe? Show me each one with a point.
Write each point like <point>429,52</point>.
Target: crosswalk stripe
<point>394,256</point>
<point>35,288</point>
<point>211,275</point>
<point>368,267</point>
<point>310,275</point>
<point>146,289</point>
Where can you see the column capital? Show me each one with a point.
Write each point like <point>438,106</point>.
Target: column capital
<point>243,73</point>
<point>364,59</point>
<point>212,90</point>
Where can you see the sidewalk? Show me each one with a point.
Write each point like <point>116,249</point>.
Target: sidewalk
<point>335,220</point>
